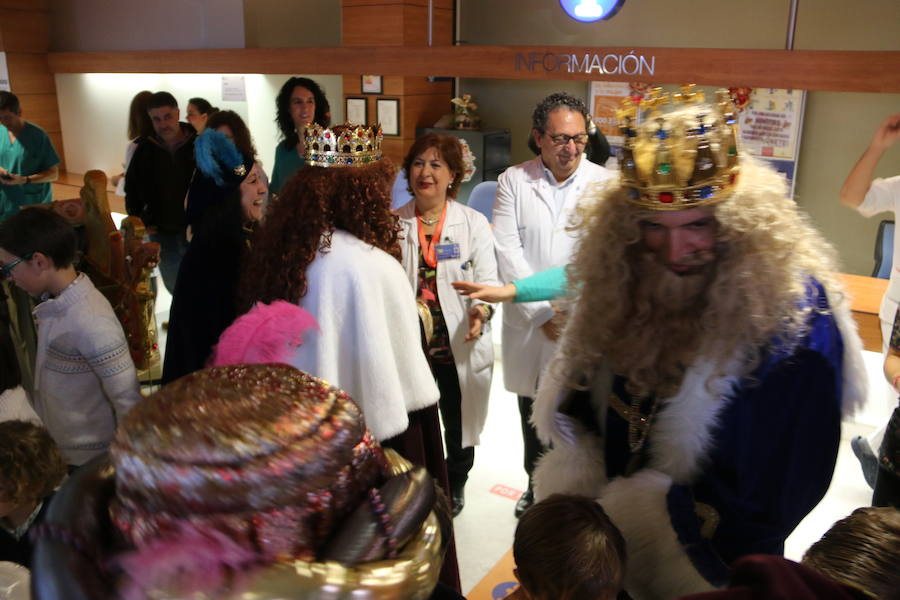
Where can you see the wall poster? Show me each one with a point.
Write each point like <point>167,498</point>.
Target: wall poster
<point>4,74</point>
<point>605,98</point>
<point>770,127</point>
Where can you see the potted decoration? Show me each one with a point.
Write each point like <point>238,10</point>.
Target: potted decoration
<point>464,116</point>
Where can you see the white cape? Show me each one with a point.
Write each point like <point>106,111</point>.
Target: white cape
<point>368,342</point>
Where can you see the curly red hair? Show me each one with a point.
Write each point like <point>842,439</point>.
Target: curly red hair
<point>313,203</point>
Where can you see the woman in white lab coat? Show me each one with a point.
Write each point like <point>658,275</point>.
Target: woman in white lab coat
<point>444,241</point>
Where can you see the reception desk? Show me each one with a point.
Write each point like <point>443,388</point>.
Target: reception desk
<point>865,300</point>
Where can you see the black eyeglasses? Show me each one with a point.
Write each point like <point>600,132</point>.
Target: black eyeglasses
<point>6,270</point>
<point>561,139</point>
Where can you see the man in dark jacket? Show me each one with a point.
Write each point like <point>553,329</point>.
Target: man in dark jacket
<point>157,181</point>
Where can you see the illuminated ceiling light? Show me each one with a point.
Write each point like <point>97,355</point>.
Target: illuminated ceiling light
<point>588,11</point>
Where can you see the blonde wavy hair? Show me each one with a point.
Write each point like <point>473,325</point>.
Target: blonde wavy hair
<point>765,255</point>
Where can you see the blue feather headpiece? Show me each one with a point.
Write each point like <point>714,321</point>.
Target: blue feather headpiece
<point>219,159</point>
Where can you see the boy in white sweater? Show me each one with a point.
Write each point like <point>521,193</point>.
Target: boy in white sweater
<point>85,380</point>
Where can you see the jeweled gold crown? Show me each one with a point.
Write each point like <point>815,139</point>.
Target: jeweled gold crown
<point>342,145</point>
<point>681,159</point>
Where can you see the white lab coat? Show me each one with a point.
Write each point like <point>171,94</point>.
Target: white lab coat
<point>477,262</point>
<point>532,236</point>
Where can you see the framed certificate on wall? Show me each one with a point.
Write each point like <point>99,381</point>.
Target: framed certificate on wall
<point>356,111</point>
<point>371,84</point>
<point>388,111</point>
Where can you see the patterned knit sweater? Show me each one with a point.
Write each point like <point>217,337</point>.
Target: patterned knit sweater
<point>85,378</point>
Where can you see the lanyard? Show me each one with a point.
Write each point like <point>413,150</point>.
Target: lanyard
<point>429,252</point>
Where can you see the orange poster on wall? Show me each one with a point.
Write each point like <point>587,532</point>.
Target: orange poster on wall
<point>605,99</point>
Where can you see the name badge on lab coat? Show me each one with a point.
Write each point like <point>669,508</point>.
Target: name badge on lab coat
<point>447,251</point>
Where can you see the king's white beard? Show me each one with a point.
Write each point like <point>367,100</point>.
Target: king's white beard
<point>673,293</point>
<point>664,333</point>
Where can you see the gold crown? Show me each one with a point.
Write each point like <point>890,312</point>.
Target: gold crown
<point>342,146</point>
<point>683,159</point>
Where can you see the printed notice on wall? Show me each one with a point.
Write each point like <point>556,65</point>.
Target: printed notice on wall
<point>770,128</point>
<point>606,99</point>
<point>233,89</point>
<point>4,74</point>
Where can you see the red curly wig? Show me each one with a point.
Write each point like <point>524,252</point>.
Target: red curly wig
<point>313,203</point>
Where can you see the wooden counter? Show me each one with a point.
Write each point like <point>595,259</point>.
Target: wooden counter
<point>68,185</point>
<point>865,300</point>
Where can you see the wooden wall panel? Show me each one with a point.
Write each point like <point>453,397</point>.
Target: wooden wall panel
<point>396,85</point>
<point>395,148</point>
<point>25,30</point>
<point>30,73</point>
<point>421,85</point>
<point>359,28</point>
<point>444,4</point>
<point>25,33</point>
<point>391,85</point>
<point>32,5</point>
<point>421,111</point>
<point>56,138</point>
<point>415,26</point>
<point>395,23</point>
<point>827,70</point>
<point>41,109</point>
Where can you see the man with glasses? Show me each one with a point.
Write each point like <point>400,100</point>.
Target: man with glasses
<point>534,206</point>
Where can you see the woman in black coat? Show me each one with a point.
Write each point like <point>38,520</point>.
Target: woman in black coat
<point>233,192</point>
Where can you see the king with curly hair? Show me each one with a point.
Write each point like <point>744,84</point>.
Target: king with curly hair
<point>698,389</point>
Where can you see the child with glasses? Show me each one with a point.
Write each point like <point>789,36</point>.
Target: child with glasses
<point>85,380</point>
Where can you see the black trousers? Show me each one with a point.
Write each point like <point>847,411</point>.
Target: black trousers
<point>459,459</point>
<point>172,247</point>
<point>533,446</point>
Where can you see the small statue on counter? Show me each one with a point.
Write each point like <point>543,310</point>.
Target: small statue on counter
<point>464,116</point>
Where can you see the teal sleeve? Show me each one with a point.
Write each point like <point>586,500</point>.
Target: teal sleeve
<point>287,162</point>
<point>544,285</point>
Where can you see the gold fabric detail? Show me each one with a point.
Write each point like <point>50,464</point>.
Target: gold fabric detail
<point>709,519</point>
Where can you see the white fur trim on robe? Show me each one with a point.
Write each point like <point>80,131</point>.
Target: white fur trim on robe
<point>682,433</point>
<point>368,343</point>
<point>637,506</point>
<point>856,380</point>
<point>14,406</point>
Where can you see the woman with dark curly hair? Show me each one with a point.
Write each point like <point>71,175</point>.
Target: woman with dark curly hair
<point>299,103</point>
<point>330,244</point>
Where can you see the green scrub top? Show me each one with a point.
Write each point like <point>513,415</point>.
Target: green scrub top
<point>31,153</point>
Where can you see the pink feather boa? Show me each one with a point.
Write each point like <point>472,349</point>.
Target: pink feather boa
<point>266,334</point>
<point>174,564</point>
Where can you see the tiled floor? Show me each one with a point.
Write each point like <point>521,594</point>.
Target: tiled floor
<point>484,530</point>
